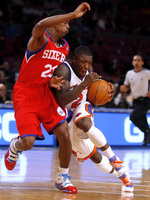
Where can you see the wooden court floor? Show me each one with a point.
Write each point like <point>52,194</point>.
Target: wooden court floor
<point>34,177</point>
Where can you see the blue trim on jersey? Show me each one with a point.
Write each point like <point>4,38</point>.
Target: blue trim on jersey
<point>70,113</point>
<point>85,75</point>
<point>49,36</point>
<point>68,118</point>
<point>90,107</point>
<point>64,63</point>
<point>64,41</point>
<point>29,53</point>
<point>67,43</point>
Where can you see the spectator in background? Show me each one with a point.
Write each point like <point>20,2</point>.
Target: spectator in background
<point>16,67</point>
<point>137,80</point>
<point>3,79</point>
<point>3,93</point>
<point>123,100</point>
<point>9,74</point>
<point>101,22</point>
<point>10,97</point>
<point>97,37</point>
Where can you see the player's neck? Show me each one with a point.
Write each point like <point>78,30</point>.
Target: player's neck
<point>54,36</point>
<point>138,69</point>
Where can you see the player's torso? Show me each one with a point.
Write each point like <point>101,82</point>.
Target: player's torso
<point>37,67</point>
<point>75,81</point>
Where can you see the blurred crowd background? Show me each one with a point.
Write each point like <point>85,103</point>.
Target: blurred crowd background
<point>115,30</point>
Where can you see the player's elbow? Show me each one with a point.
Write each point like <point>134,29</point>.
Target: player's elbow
<point>37,30</point>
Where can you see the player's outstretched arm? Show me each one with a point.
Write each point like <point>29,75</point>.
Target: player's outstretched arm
<point>41,26</point>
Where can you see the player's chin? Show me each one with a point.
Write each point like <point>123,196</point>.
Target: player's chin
<point>64,33</point>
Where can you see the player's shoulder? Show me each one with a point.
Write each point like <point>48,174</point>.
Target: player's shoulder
<point>63,66</point>
<point>62,70</point>
<point>130,71</point>
<point>146,72</point>
<point>145,69</point>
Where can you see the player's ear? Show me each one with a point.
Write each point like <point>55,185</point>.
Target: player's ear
<point>132,63</point>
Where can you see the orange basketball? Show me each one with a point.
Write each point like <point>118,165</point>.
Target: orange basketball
<point>98,93</point>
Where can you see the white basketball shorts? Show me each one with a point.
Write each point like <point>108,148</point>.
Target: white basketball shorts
<point>82,146</point>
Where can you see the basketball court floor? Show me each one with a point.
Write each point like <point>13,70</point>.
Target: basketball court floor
<point>34,177</point>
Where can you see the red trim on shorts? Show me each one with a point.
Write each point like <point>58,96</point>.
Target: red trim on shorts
<point>81,118</point>
<point>83,159</point>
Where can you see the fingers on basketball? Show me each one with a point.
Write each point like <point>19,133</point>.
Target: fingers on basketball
<point>98,93</point>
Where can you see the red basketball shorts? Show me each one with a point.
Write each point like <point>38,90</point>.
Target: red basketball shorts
<point>36,105</point>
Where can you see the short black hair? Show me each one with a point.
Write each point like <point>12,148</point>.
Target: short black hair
<point>139,56</point>
<point>56,12</point>
<point>82,49</point>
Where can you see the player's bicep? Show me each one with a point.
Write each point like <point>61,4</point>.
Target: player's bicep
<point>63,71</point>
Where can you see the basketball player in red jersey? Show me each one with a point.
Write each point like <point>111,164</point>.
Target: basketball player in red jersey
<point>33,100</point>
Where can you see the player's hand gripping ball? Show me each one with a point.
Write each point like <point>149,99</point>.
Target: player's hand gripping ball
<point>98,93</point>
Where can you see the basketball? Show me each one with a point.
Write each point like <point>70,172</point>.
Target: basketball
<point>98,93</point>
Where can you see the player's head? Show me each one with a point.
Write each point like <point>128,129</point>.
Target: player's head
<point>137,61</point>
<point>56,12</point>
<point>2,89</point>
<point>82,60</point>
<point>82,50</point>
<point>61,29</point>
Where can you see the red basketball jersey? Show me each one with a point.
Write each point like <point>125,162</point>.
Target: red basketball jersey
<point>37,67</point>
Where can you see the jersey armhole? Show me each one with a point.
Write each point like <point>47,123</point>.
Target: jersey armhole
<point>29,54</point>
<point>66,64</point>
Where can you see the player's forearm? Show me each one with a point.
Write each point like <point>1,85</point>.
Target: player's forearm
<point>48,22</point>
<point>68,96</point>
<point>55,20</point>
<point>124,88</point>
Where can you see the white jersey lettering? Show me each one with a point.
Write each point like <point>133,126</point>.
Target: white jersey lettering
<point>55,55</point>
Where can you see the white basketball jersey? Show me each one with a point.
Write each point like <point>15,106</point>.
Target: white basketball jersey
<point>74,81</point>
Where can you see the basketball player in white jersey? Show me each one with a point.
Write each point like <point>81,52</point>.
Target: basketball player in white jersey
<point>85,137</point>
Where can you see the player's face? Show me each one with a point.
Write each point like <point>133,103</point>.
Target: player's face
<point>82,64</point>
<point>137,62</point>
<point>62,29</point>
